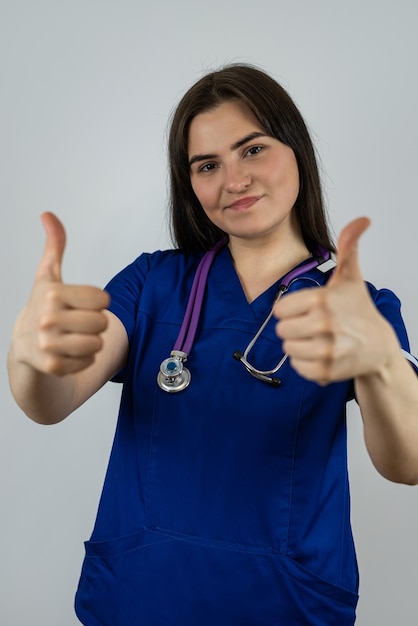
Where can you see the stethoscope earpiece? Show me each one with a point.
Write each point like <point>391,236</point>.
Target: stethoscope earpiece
<point>274,382</point>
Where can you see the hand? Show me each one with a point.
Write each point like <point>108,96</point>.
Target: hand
<point>58,332</point>
<point>335,332</point>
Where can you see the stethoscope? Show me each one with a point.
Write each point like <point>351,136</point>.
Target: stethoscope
<point>174,376</point>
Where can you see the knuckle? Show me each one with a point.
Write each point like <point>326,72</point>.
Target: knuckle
<point>105,298</point>
<point>105,321</point>
<point>97,344</point>
<point>47,321</point>
<point>86,346</point>
<point>54,294</point>
<point>101,322</point>
<point>45,343</point>
<point>53,365</point>
<point>324,375</point>
<point>328,353</point>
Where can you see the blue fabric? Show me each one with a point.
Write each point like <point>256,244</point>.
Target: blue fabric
<point>227,503</point>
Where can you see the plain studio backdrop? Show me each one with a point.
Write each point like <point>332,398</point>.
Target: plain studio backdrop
<point>87,87</point>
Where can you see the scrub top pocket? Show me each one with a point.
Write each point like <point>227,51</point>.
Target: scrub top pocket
<point>159,578</point>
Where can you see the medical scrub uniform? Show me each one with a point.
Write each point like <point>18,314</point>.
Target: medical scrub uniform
<point>226,503</point>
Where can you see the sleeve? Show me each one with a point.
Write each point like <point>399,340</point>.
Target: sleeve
<point>389,306</point>
<point>125,291</point>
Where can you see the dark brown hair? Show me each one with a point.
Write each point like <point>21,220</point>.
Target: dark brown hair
<point>279,117</point>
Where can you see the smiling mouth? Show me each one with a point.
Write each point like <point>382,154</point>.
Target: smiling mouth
<point>243,203</point>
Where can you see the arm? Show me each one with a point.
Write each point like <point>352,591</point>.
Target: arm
<point>388,400</point>
<point>65,345</point>
<point>336,333</point>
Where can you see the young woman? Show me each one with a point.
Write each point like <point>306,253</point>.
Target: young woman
<point>226,499</point>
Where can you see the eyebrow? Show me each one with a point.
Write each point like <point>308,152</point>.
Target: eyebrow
<point>204,157</point>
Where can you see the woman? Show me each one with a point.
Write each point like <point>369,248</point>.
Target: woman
<point>227,501</point>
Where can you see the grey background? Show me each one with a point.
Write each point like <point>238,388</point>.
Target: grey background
<point>86,91</point>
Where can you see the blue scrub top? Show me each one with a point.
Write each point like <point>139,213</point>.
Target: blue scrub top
<point>227,503</point>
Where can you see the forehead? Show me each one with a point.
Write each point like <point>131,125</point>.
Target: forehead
<point>222,126</point>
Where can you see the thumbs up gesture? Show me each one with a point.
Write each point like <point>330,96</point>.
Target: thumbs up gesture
<point>58,331</point>
<point>335,332</point>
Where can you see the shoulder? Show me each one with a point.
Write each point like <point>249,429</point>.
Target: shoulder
<point>384,299</point>
<point>152,263</point>
<point>389,305</point>
<point>147,283</point>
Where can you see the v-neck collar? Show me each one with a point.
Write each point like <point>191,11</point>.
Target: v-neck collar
<point>232,292</point>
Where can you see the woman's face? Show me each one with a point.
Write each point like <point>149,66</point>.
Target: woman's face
<point>246,181</point>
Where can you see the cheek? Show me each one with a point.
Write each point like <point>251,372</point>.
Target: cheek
<point>294,185</point>
<point>204,194</point>
<point>287,181</point>
<point>294,179</point>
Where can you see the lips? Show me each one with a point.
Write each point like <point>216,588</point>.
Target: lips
<point>243,203</point>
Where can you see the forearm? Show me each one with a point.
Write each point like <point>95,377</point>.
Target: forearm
<point>47,395</point>
<point>388,401</point>
<point>45,398</point>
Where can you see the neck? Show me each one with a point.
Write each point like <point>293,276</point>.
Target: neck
<point>259,265</point>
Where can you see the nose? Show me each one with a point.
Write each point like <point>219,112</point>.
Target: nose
<point>237,179</point>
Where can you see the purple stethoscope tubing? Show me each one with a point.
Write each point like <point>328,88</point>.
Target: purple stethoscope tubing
<point>188,328</point>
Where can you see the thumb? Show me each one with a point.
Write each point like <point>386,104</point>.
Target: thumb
<point>50,265</point>
<point>348,267</point>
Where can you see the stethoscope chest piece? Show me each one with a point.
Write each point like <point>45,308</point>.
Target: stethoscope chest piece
<point>173,375</point>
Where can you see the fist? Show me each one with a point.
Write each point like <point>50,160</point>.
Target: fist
<point>335,332</point>
<point>59,331</point>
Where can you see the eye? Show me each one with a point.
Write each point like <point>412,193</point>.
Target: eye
<point>207,167</point>
<point>253,150</point>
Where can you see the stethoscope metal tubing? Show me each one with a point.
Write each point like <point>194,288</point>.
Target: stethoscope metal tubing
<point>268,375</point>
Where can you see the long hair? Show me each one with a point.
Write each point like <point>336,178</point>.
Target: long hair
<point>279,117</point>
